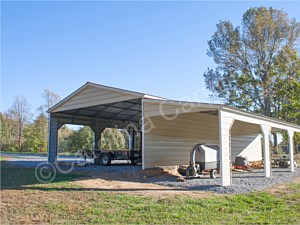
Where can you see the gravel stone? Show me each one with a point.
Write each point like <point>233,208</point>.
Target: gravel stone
<point>242,182</point>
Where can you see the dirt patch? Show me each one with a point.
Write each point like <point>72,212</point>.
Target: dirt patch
<point>135,176</point>
<point>284,188</point>
<point>140,189</point>
<point>137,183</point>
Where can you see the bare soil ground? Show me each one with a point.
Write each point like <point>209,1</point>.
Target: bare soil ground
<point>136,183</point>
<point>140,189</point>
<point>283,188</point>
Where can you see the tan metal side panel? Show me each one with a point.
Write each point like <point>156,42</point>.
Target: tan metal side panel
<point>154,109</point>
<point>93,96</point>
<point>242,128</point>
<point>247,145</point>
<point>170,141</point>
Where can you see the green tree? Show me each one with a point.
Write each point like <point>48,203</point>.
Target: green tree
<point>73,140</point>
<point>83,138</point>
<point>31,139</point>
<point>252,60</point>
<point>8,131</point>
<point>290,103</point>
<point>41,124</point>
<point>112,139</point>
<point>35,135</point>
<point>63,138</point>
<point>18,132</point>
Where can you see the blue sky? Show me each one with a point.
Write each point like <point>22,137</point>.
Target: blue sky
<point>153,47</point>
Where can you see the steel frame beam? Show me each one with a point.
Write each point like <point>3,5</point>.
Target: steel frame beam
<point>125,110</point>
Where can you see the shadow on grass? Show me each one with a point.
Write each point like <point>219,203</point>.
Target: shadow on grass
<point>16,177</point>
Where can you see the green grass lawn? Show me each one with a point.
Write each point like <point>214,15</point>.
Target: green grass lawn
<point>24,200</point>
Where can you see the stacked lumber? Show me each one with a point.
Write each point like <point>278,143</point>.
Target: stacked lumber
<point>256,164</point>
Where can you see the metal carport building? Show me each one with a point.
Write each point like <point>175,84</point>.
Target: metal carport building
<point>169,128</point>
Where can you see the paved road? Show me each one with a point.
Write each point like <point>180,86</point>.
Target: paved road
<point>32,160</point>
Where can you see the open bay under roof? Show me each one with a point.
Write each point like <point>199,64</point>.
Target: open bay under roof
<point>169,128</point>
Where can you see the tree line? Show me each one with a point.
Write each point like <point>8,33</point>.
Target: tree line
<point>20,131</point>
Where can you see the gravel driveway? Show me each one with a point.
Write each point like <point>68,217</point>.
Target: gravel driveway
<point>242,182</point>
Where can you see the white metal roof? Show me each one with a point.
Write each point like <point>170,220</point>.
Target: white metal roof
<point>130,108</point>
